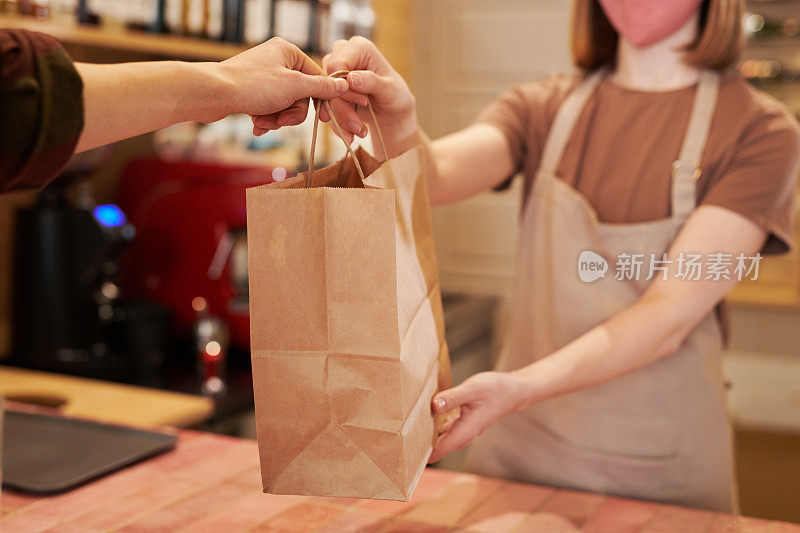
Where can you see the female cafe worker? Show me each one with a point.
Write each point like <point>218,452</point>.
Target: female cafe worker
<point>50,107</point>
<point>655,146</point>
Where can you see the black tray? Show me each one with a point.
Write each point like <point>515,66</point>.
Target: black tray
<point>47,454</point>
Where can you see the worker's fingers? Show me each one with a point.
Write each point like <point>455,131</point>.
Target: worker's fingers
<point>460,435</point>
<point>350,99</point>
<point>366,82</point>
<point>458,396</point>
<point>347,117</point>
<point>355,98</point>
<point>357,53</point>
<point>325,60</point>
<point>348,136</point>
<point>343,57</point>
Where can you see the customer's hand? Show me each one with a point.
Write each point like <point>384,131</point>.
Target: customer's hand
<point>371,77</point>
<point>273,82</point>
<point>484,399</point>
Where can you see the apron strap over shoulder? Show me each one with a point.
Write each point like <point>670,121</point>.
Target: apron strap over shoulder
<point>567,115</point>
<point>686,170</point>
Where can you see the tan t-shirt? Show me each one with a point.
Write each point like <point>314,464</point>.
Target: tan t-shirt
<point>624,143</point>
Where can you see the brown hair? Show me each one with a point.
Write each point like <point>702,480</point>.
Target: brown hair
<point>718,44</point>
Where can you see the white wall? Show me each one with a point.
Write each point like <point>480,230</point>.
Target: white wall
<point>469,52</point>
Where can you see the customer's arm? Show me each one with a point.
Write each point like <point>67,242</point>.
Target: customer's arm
<point>41,114</point>
<point>272,81</point>
<point>50,107</point>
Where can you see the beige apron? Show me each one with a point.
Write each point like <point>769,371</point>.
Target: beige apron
<point>660,433</point>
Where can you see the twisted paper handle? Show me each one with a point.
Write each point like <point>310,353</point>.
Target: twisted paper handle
<point>340,133</point>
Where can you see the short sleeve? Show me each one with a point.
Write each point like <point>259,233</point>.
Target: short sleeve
<point>509,113</point>
<point>759,183</point>
<point>41,109</point>
<point>524,114</point>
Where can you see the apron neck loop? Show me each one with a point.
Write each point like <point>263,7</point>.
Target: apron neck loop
<point>565,119</point>
<point>686,170</point>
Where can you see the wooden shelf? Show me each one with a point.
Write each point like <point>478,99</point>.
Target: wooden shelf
<point>167,46</point>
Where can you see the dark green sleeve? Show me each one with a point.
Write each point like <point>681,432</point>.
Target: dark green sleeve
<point>41,109</point>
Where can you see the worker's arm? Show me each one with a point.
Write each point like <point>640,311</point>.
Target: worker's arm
<point>652,328</point>
<point>460,165</point>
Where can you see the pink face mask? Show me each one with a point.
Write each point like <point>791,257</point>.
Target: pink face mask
<point>644,22</point>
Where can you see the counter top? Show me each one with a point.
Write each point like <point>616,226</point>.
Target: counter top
<point>103,401</point>
<point>211,483</point>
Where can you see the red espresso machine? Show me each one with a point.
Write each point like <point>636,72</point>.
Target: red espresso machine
<point>190,253</point>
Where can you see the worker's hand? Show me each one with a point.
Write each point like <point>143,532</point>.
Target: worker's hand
<point>484,399</point>
<point>372,78</point>
<point>273,82</point>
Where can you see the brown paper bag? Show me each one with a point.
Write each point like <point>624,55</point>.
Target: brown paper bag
<point>347,329</point>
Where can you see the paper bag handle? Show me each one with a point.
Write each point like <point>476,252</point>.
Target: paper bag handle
<point>340,133</point>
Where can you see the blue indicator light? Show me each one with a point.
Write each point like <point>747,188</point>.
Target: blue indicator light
<point>109,215</point>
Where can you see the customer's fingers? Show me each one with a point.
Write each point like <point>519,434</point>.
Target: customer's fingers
<point>321,87</point>
<point>300,61</point>
<point>308,80</point>
<point>294,115</point>
<point>264,123</point>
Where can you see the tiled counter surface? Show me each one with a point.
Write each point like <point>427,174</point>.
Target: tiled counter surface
<point>211,484</point>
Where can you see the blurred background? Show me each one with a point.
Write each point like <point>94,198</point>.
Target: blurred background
<point>132,266</point>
